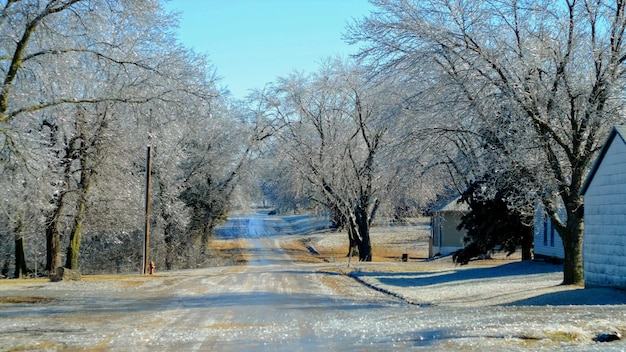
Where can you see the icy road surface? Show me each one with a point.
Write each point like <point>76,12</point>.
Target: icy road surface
<point>273,304</point>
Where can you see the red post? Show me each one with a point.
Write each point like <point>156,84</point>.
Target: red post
<point>151,267</point>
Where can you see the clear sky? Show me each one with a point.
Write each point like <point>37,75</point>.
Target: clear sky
<point>251,42</point>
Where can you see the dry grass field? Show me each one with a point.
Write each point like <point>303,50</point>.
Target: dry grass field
<point>389,243</point>
<point>230,251</point>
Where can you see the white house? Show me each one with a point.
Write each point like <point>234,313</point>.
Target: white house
<point>445,238</point>
<point>604,243</point>
<point>548,245</point>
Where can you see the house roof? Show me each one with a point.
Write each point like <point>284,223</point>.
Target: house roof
<point>617,131</point>
<point>454,205</point>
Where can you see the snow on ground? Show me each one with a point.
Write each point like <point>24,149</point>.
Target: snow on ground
<point>522,303</point>
<point>489,282</point>
<point>479,285</point>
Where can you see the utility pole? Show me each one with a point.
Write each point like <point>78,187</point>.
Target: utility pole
<point>146,242</point>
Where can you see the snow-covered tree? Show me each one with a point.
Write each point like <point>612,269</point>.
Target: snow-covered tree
<point>332,126</point>
<point>86,86</point>
<point>548,75</point>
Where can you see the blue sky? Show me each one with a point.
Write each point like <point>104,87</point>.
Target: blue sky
<point>251,42</point>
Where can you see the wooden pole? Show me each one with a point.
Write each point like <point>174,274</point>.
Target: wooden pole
<point>146,242</point>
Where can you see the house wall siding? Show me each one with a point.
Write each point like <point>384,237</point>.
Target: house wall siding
<point>604,244</point>
<point>445,237</point>
<point>454,237</point>
<point>547,242</point>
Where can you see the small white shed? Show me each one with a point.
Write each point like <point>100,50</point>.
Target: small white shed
<point>604,243</point>
<point>445,237</point>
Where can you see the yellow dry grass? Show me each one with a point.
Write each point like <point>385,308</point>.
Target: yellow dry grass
<point>6,282</point>
<point>380,253</point>
<point>336,283</point>
<point>101,347</point>
<point>126,281</point>
<point>306,258</point>
<point>293,245</point>
<point>297,250</point>
<point>121,280</point>
<point>389,243</point>
<point>231,250</point>
<point>41,346</point>
<point>57,346</point>
<point>225,245</point>
<point>24,299</point>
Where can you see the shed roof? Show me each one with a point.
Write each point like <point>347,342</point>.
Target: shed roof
<point>619,131</point>
<point>454,205</point>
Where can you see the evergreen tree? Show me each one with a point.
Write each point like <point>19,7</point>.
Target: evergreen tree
<point>493,223</point>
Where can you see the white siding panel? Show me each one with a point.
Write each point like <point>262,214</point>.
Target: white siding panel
<point>610,227</point>
<point>604,244</point>
<point>546,244</point>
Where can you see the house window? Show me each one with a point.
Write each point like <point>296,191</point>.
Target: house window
<point>551,236</point>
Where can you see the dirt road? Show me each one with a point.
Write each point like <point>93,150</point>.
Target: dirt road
<point>270,304</point>
<point>274,304</point>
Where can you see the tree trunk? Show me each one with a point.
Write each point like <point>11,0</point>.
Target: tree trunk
<point>20,258</point>
<point>571,232</point>
<point>169,230</point>
<point>365,250</point>
<point>53,238</point>
<point>73,249</point>
<point>53,235</point>
<point>573,250</point>
<point>363,227</point>
<point>206,232</point>
<point>352,241</point>
<point>84,187</point>
<point>527,245</point>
